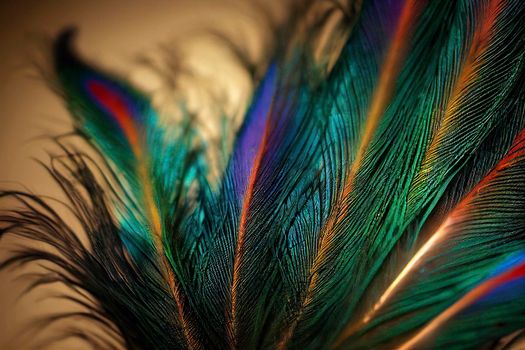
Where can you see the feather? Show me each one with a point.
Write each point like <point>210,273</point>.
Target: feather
<point>467,243</point>
<point>121,122</point>
<point>507,277</point>
<point>258,143</point>
<point>373,197</point>
<point>242,241</point>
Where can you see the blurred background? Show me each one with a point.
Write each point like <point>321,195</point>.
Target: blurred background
<point>142,41</point>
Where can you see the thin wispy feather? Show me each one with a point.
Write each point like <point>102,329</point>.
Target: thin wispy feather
<point>374,196</point>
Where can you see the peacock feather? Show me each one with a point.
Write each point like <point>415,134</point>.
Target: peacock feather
<point>373,198</point>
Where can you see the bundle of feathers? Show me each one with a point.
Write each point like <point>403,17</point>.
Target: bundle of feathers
<point>373,198</point>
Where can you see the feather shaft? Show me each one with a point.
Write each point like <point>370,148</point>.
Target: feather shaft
<point>242,230</point>
<point>156,224</point>
<point>386,84</point>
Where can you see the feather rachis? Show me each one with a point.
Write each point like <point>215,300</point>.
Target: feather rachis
<point>242,228</point>
<point>385,86</point>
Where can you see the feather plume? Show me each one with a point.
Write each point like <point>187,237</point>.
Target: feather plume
<point>374,196</point>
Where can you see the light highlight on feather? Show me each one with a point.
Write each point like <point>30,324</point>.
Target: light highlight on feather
<point>468,74</point>
<point>514,273</point>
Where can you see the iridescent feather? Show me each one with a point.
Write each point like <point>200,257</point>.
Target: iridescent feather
<point>376,200</point>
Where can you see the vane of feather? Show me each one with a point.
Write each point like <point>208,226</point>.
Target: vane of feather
<point>486,156</point>
<point>380,99</point>
<point>273,167</point>
<point>255,145</point>
<point>405,121</point>
<point>484,229</point>
<point>503,282</point>
<point>246,159</point>
<point>270,163</point>
<point>154,165</point>
<point>130,305</point>
<point>474,95</point>
<point>358,108</point>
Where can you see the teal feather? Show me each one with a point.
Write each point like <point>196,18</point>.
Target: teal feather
<point>377,203</point>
